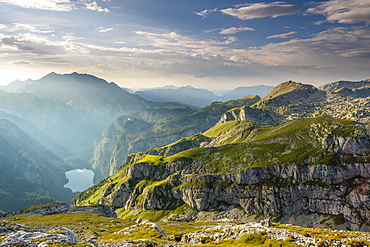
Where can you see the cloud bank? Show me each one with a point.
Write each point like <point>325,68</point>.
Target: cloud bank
<point>344,11</point>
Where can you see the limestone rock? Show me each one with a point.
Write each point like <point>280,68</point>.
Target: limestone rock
<point>31,238</point>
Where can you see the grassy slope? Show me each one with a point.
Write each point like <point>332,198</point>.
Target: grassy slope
<point>243,145</point>
<point>105,229</point>
<point>290,143</point>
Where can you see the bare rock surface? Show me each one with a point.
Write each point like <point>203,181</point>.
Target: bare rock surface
<point>27,238</point>
<point>62,208</point>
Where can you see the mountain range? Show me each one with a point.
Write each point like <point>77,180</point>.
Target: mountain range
<point>196,97</point>
<point>297,154</point>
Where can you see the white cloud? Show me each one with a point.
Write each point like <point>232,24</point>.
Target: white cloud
<point>56,5</point>
<point>95,7</point>
<point>178,42</point>
<point>205,12</point>
<point>282,35</point>
<point>234,30</point>
<point>104,30</point>
<point>53,5</point>
<point>337,48</point>
<point>33,46</point>
<point>344,11</point>
<point>261,10</point>
<point>31,28</point>
<point>24,27</point>
<point>21,62</point>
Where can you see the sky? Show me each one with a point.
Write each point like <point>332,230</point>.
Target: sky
<point>213,44</point>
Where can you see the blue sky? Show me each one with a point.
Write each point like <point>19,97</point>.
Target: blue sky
<point>211,44</point>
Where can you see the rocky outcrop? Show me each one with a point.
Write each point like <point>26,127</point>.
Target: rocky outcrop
<point>38,239</point>
<point>291,100</point>
<point>179,146</point>
<point>362,92</point>
<point>225,231</point>
<point>290,92</point>
<point>340,192</point>
<point>255,115</point>
<point>62,208</point>
<point>21,235</point>
<point>344,84</point>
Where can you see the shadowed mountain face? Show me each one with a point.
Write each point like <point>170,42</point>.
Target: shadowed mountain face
<point>88,93</point>
<point>30,174</point>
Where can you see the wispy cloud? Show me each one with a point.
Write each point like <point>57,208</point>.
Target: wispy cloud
<point>335,47</point>
<point>205,13</point>
<point>56,5</point>
<point>234,30</point>
<point>177,41</point>
<point>261,10</point>
<point>25,27</point>
<point>104,30</point>
<point>344,11</point>
<point>21,62</point>
<point>53,5</point>
<point>282,35</point>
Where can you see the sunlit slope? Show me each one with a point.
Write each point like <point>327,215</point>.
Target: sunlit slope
<point>271,171</point>
<point>292,100</point>
<point>81,226</point>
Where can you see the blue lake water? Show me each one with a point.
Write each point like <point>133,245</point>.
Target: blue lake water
<point>79,179</point>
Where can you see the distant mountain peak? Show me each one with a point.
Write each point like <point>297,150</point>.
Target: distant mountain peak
<point>188,86</point>
<point>291,92</point>
<point>344,84</point>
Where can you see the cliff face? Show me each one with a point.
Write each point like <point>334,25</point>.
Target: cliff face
<point>289,192</point>
<point>312,172</point>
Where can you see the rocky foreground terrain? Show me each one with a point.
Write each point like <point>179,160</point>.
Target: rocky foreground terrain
<point>63,225</point>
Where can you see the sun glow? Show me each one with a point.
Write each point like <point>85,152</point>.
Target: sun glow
<point>8,76</point>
